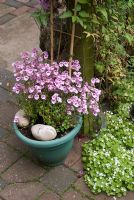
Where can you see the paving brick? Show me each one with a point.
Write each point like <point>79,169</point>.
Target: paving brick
<point>83,188</point>
<point>129,196</point>
<point>14,3</point>
<point>50,196</point>
<point>23,1</point>
<point>59,179</point>
<point>73,195</point>
<point>21,10</point>
<point>13,141</point>
<point>71,158</point>
<point>2,1</point>
<point>7,79</point>
<point>78,144</point>
<point>22,171</point>
<point>6,96</point>
<point>3,133</point>
<point>7,156</point>
<point>7,110</point>
<point>6,18</point>
<point>32,3</point>
<point>78,166</point>
<point>22,191</point>
<point>2,183</point>
<point>4,9</point>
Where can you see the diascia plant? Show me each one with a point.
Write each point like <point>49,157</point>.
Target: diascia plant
<point>47,91</point>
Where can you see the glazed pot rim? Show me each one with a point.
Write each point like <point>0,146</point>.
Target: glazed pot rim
<point>55,142</point>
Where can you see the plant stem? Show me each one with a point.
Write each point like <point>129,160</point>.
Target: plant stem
<point>52,32</point>
<point>60,39</point>
<point>72,43</point>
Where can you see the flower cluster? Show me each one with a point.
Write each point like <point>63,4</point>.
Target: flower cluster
<point>39,80</point>
<point>108,166</point>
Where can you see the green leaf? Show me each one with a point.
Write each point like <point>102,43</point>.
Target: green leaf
<point>66,14</point>
<point>84,14</point>
<point>100,67</point>
<point>78,7</point>
<point>129,38</point>
<point>74,19</point>
<point>80,21</point>
<point>103,12</point>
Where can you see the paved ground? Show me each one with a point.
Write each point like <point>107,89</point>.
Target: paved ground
<point>22,177</point>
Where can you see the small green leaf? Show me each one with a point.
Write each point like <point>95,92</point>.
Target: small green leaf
<point>103,12</point>
<point>66,14</point>
<point>84,14</point>
<point>100,67</point>
<point>78,7</point>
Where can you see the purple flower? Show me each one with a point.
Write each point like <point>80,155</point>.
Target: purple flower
<point>35,78</point>
<point>45,54</point>
<point>45,4</point>
<point>36,96</point>
<point>43,96</point>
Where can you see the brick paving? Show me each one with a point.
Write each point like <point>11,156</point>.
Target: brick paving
<point>22,176</point>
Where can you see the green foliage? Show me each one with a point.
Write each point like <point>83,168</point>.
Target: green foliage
<point>120,126</point>
<point>109,166</point>
<point>108,159</point>
<point>52,115</point>
<point>110,23</point>
<point>41,17</point>
<point>123,90</point>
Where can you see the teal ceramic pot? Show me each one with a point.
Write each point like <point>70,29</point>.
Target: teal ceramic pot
<point>54,152</point>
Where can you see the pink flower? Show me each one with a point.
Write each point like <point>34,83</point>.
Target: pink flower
<point>36,96</point>
<point>36,79</point>
<point>43,96</point>
<point>45,53</point>
<point>26,78</point>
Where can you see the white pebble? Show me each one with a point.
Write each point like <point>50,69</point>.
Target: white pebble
<point>43,132</point>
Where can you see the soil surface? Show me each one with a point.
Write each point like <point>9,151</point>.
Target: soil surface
<point>27,133</point>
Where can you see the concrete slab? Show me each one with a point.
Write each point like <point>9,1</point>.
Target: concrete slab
<point>19,34</point>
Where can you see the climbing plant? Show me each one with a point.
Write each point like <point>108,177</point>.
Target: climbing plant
<point>110,23</point>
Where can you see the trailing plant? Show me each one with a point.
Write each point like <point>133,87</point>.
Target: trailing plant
<point>109,167</point>
<point>120,126</point>
<point>108,159</point>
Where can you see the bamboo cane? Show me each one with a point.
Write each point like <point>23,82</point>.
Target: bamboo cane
<point>52,32</point>
<point>72,43</point>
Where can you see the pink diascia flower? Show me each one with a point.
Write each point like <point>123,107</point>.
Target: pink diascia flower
<point>37,80</point>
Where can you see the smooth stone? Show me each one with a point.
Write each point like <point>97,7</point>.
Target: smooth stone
<point>20,113</point>
<point>22,120</point>
<point>43,132</point>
